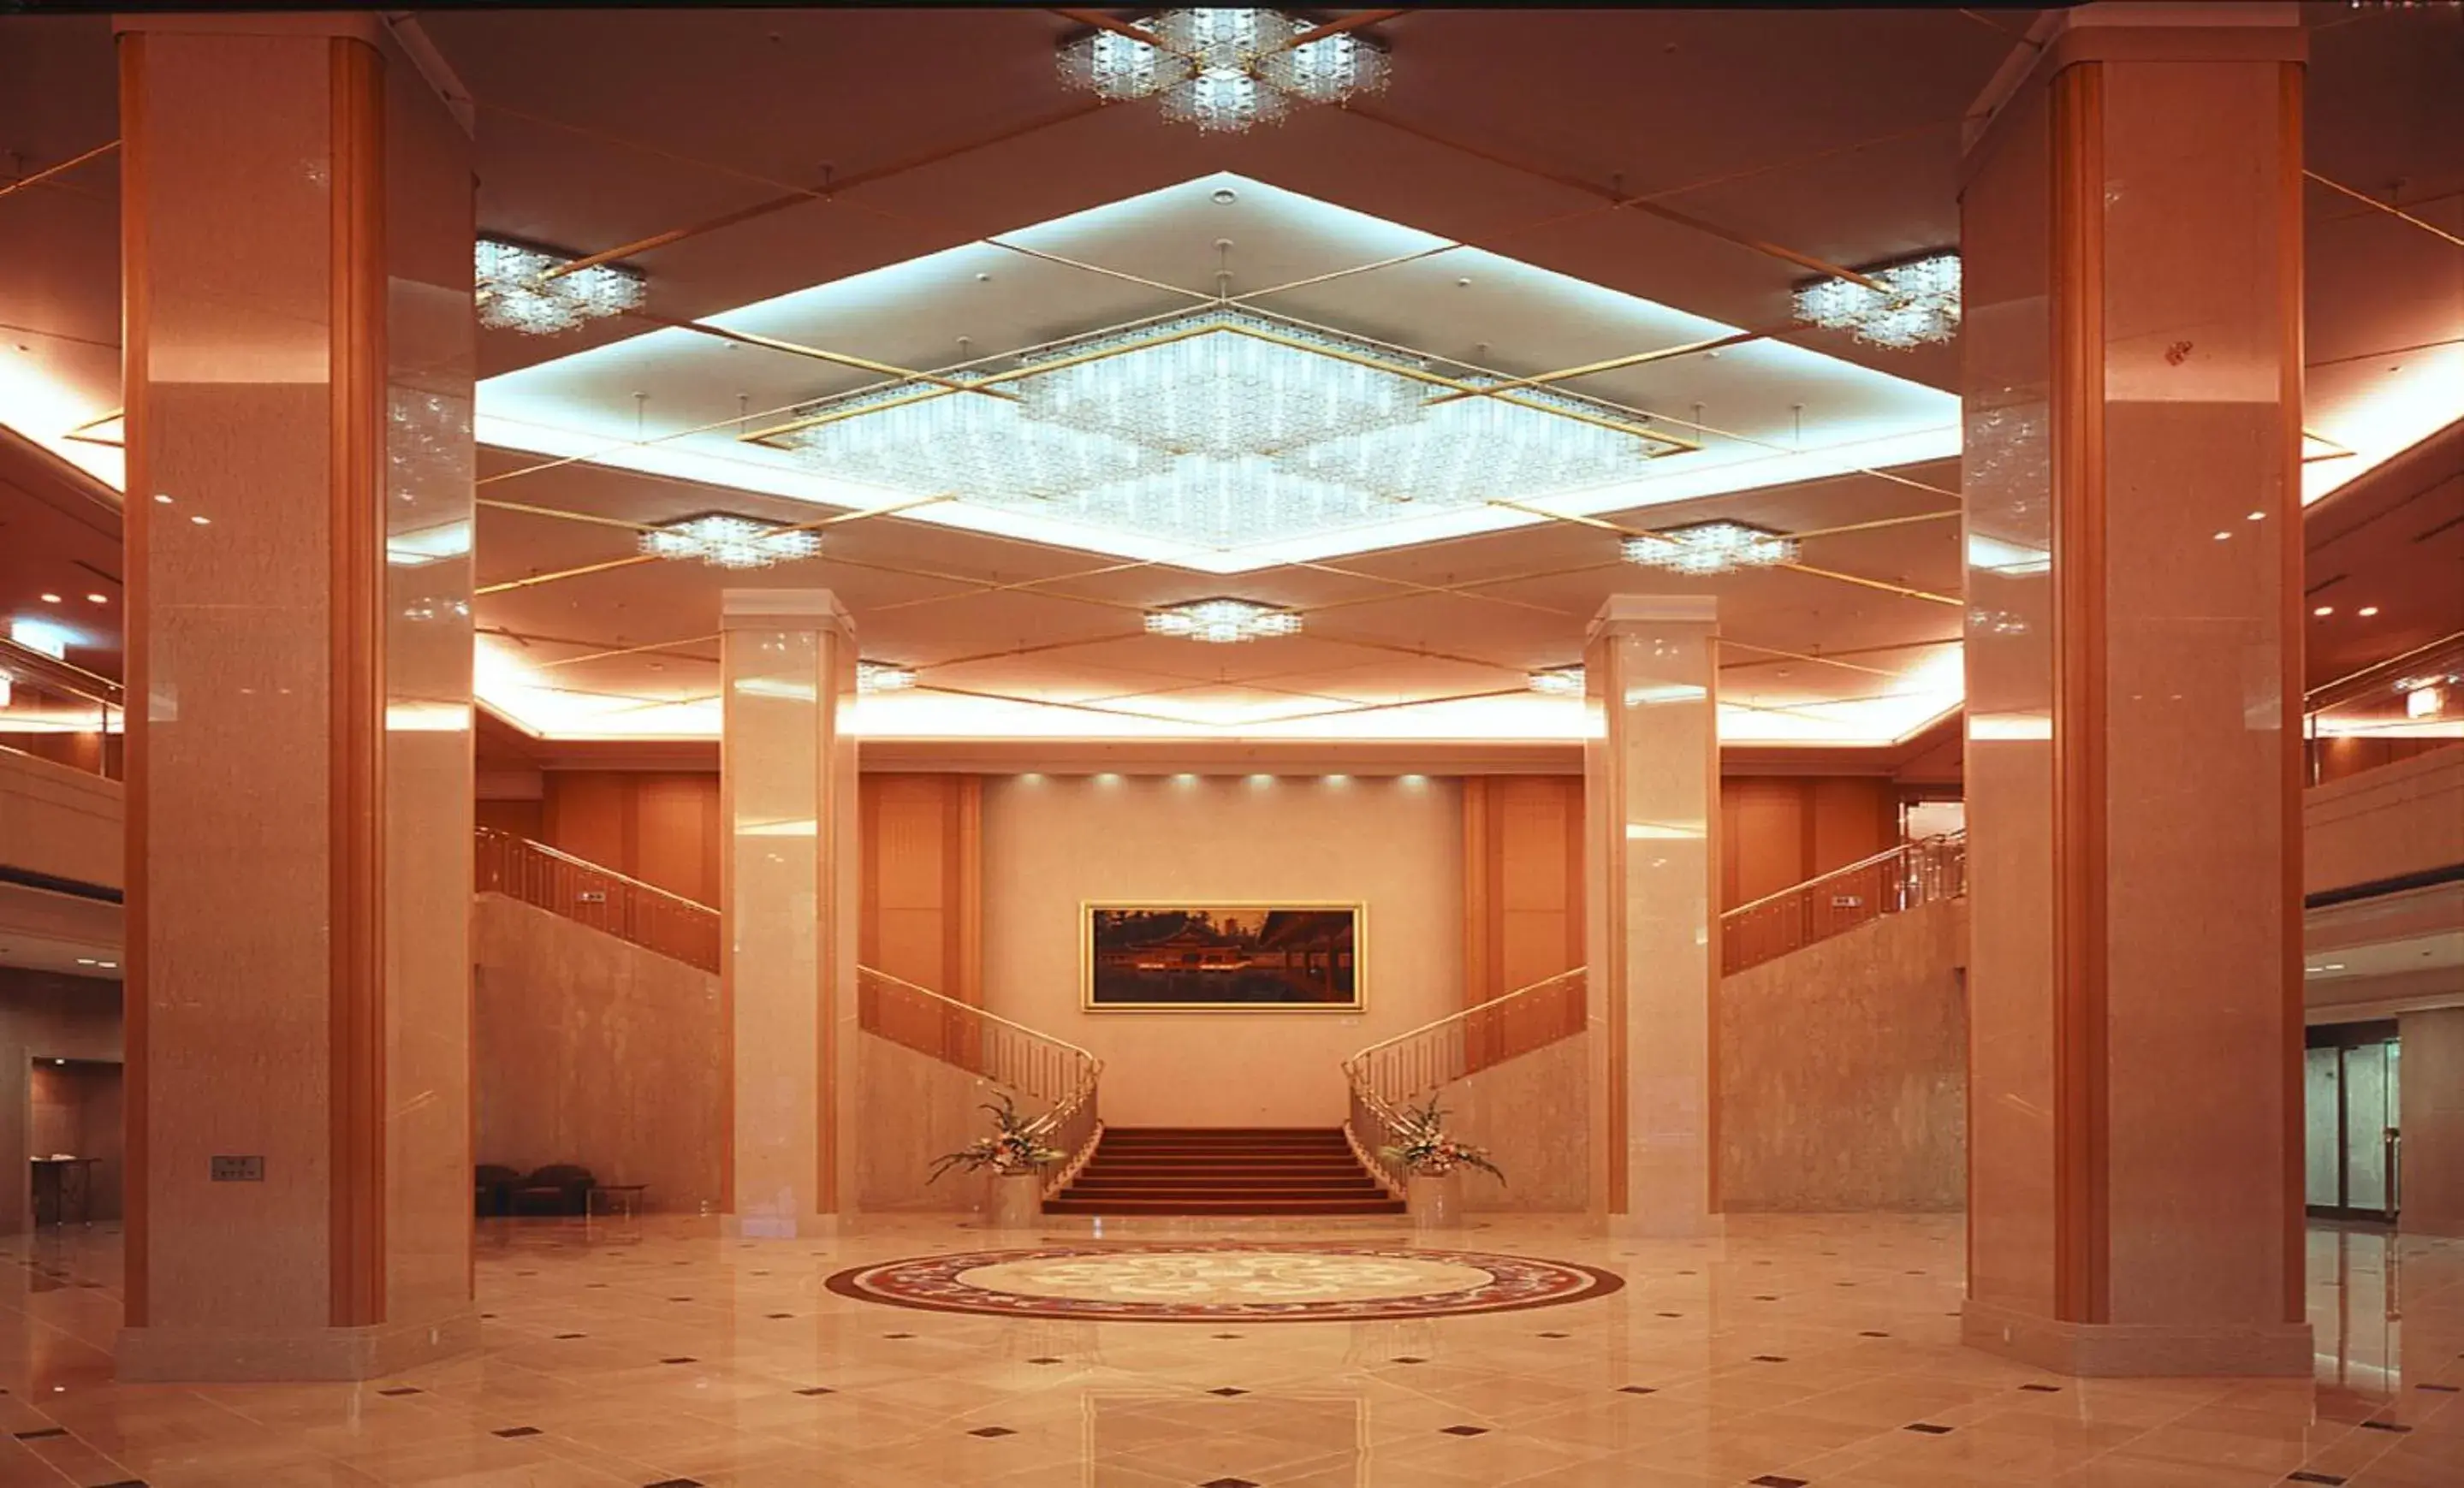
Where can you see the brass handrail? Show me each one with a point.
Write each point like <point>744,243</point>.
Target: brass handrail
<point>605,900</point>
<point>1890,881</point>
<point>1394,1072</point>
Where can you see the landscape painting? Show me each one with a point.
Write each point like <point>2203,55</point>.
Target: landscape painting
<point>1255,957</point>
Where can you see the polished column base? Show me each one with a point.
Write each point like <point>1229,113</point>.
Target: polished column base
<point>213,1355</point>
<point>1664,1226</point>
<point>785,1227</point>
<point>2120,1350</point>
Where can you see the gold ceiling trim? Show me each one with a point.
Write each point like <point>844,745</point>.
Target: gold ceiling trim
<point>816,353</point>
<point>2389,208</point>
<point>38,176</point>
<point>634,560</point>
<point>1859,580</point>
<point>1611,365</point>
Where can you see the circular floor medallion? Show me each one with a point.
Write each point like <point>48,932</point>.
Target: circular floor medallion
<point>1201,1282</point>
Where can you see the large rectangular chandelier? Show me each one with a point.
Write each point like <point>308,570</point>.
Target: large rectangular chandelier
<point>1222,428</point>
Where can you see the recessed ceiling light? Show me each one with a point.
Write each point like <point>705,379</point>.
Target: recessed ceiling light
<point>98,599</point>
<point>2425,702</point>
<point>161,499</point>
<point>1222,621</point>
<point>203,521</point>
<point>2222,535</point>
<point>2258,516</point>
<point>2366,611</point>
<point>51,599</point>
<point>1224,196</point>
<point>2325,610</point>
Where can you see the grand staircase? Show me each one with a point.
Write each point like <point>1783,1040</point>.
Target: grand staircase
<point>1224,1170</point>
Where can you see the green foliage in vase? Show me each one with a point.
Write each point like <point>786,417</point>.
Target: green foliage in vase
<point>1422,1145</point>
<point>1014,1148</point>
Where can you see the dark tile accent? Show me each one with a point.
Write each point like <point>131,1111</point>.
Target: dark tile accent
<point>1672,1314</point>
<point>2312,1477</point>
<point>1770,1358</point>
<point>1774,1480</point>
<point>898,1335</point>
<point>817,1390</point>
<point>1930,1429</point>
<point>487,1317</point>
<point>1223,1335</point>
<point>1465,1431</point>
<point>125,1483</point>
<point>1227,1391</point>
<point>1688,1273</point>
<point>401,1390</point>
<point>679,1359</point>
<point>1557,1335</point>
<point>44,1434</point>
<point>777,1316</point>
<point>680,1299</point>
<point>1870,1333</point>
<point>564,1336</point>
<point>1766,1299</point>
<point>1230,1482</point>
<point>1407,1359</point>
<point>675,1482</point>
<point>1043,1359</point>
<point>2043,1390</point>
<point>989,1432</point>
<point>2444,1390</point>
<point>516,1431</point>
<point>2385,1426</point>
<point>1638,1389</point>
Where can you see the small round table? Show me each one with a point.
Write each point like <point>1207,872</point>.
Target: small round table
<point>625,1195</point>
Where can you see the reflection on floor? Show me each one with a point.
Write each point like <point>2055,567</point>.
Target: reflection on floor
<point>1813,1350</point>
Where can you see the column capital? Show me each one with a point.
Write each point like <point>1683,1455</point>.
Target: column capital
<point>783,610</point>
<point>1624,613</point>
<point>357,26</point>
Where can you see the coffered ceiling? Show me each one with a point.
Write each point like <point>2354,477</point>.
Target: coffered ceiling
<point>868,165</point>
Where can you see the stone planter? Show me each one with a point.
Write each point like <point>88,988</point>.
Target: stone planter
<point>1434,1200</point>
<point>1016,1201</point>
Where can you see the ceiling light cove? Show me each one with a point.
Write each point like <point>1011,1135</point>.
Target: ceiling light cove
<point>1223,70</point>
<point>517,292</point>
<point>1222,621</point>
<point>1210,430</point>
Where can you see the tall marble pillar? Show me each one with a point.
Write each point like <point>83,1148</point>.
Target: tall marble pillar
<point>2131,224</point>
<point>1651,798</point>
<point>787,778</point>
<point>297,210</point>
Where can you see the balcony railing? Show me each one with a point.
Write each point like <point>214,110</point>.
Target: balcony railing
<point>600,898</point>
<point>1888,882</point>
<point>2405,706</point>
<point>1387,1077</point>
<point>1046,1073</point>
<point>54,711</point>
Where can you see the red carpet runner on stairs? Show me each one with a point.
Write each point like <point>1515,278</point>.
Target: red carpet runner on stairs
<point>1223,1170</point>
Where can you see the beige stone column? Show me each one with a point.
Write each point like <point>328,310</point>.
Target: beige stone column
<point>296,226</point>
<point>1651,795</point>
<point>787,778</point>
<point>2131,224</point>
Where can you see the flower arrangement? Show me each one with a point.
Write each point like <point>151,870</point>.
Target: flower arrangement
<point>1011,1150</point>
<point>1423,1145</point>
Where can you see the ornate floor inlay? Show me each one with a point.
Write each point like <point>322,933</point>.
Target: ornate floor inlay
<point>1206,1282</point>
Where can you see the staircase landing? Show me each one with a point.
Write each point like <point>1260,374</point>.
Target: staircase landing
<point>1224,1170</point>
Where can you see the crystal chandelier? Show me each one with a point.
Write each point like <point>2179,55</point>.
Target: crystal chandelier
<point>1222,621</point>
<point>1223,70</point>
<point>1918,302</point>
<point>516,293</point>
<point>883,677</point>
<point>1710,548</point>
<point>726,541</point>
<point>1556,682</point>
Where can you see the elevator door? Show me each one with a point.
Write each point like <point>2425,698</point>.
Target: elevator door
<point>2350,1083</point>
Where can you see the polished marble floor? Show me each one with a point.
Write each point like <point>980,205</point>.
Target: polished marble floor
<point>1799,1349</point>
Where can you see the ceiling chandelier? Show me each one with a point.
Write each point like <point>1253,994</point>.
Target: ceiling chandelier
<point>1224,428</point>
<point>725,541</point>
<point>1223,70</point>
<point>883,677</point>
<point>1556,682</point>
<point>1711,548</point>
<point>1918,302</point>
<point>1222,621</point>
<point>516,293</point>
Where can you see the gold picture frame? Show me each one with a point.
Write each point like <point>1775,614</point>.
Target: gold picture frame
<point>1214,945</point>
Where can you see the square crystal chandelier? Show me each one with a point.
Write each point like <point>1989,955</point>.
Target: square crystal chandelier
<point>1222,621</point>
<point>1556,682</point>
<point>1917,303</point>
<point>1711,548</point>
<point>883,677</point>
<point>725,541</point>
<point>1223,70</point>
<point>516,293</point>
<point>1222,427</point>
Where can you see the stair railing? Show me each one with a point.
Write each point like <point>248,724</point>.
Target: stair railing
<point>1387,1077</point>
<point>1891,881</point>
<point>1047,1072</point>
<point>1043,1071</point>
<point>601,898</point>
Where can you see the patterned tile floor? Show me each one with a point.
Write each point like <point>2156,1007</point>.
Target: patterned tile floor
<point>1798,1350</point>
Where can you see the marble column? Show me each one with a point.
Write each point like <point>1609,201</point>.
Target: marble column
<point>1651,798</point>
<point>787,778</point>
<point>2131,223</point>
<point>297,210</point>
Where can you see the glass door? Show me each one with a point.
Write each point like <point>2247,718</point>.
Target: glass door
<point>2351,1081</point>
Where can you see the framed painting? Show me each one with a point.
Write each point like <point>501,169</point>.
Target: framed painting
<point>1212,955</point>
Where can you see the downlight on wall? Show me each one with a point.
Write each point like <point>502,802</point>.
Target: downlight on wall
<point>1222,621</point>
<point>517,292</point>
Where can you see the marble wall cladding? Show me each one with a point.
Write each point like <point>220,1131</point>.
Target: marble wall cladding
<point>1843,1071</point>
<point>2398,818</point>
<point>1053,843</point>
<point>1534,1114</point>
<point>44,1015</point>
<point>59,820</point>
<point>588,1049</point>
<point>915,1109</point>
<point>2432,1121</point>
